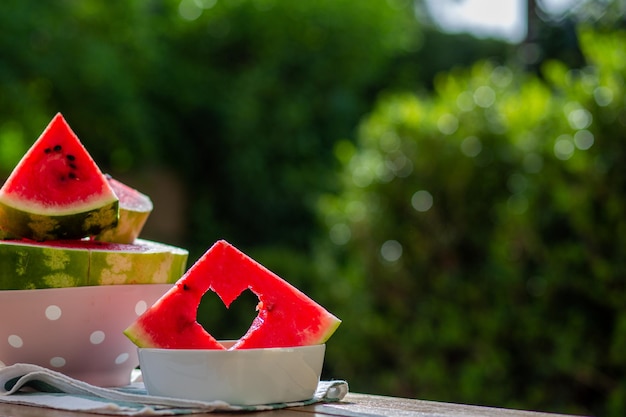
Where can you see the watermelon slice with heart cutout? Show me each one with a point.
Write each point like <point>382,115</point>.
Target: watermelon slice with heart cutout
<point>57,191</point>
<point>286,316</point>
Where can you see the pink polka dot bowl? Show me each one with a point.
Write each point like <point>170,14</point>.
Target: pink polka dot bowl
<point>77,330</point>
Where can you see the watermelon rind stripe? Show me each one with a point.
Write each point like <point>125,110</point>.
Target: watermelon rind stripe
<point>31,265</point>
<point>135,208</point>
<point>26,266</point>
<point>331,324</point>
<point>160,264</point>
<point>36,226</point>
<point>128,228</point>
<point>139,336</point>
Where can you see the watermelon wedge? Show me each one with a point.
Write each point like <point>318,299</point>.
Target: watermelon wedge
<point>135,208</point>
<point>286,316</point>
<point>57,191</point>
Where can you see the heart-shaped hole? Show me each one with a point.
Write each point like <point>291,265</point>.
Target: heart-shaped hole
<point>227,323</point>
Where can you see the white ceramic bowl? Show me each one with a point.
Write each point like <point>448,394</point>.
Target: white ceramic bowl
<point>77,331</point>
<point>239,377</point>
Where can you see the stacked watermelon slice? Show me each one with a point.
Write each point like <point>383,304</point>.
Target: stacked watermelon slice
<point>63,223</point>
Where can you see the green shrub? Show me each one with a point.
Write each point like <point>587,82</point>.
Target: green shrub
<point>479,240</point>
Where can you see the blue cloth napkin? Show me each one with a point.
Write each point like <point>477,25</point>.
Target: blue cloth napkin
<point>37,386</point>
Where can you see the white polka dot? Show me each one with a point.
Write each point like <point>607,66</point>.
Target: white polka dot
<point>97,337</point>
<point>53,312</point>
<point>122,358</point>
<point>57,362</point>
<point>16,341</point>
<point>141,307</point>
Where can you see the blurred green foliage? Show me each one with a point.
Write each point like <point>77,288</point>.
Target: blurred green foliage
<point>474,228</point>
<point>243,100</point>
<point>482,233</point>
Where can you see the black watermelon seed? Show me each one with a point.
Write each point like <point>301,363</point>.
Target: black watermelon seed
<point>47,150</point>
<point>72,176</point>
<point>70,157</point>
<point>73,166</point>
<point>57,148</point>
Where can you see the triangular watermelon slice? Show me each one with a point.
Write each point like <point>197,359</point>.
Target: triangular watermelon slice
<point>57,191</point>
<point>286,316</point>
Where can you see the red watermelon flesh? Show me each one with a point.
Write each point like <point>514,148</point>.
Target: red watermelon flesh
<point>286,316</point>
<point>130,198</point>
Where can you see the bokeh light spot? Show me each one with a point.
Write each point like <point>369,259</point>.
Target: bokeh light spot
<point>603,96</point>
<point>471,146</point>
<point>391,250</point>
<point>579,118</point>
<point>189,9</point>
<point>465,101</point>
<point>583,139</point>
<point>563,147</point>
<point>422,200</point>
<point>448,124</point>
<point>484,96</point>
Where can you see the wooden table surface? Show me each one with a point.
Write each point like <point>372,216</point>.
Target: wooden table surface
<point>353,405</point>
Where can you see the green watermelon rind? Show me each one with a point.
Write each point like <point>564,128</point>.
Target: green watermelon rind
<point>39,265</point>
<point>27,266</point>
<point>129,226</point>
<point>134,210</point>
<point>137,334</point>
<point>47,226</point>
<point>332,323</point>
<point>160,264</point>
